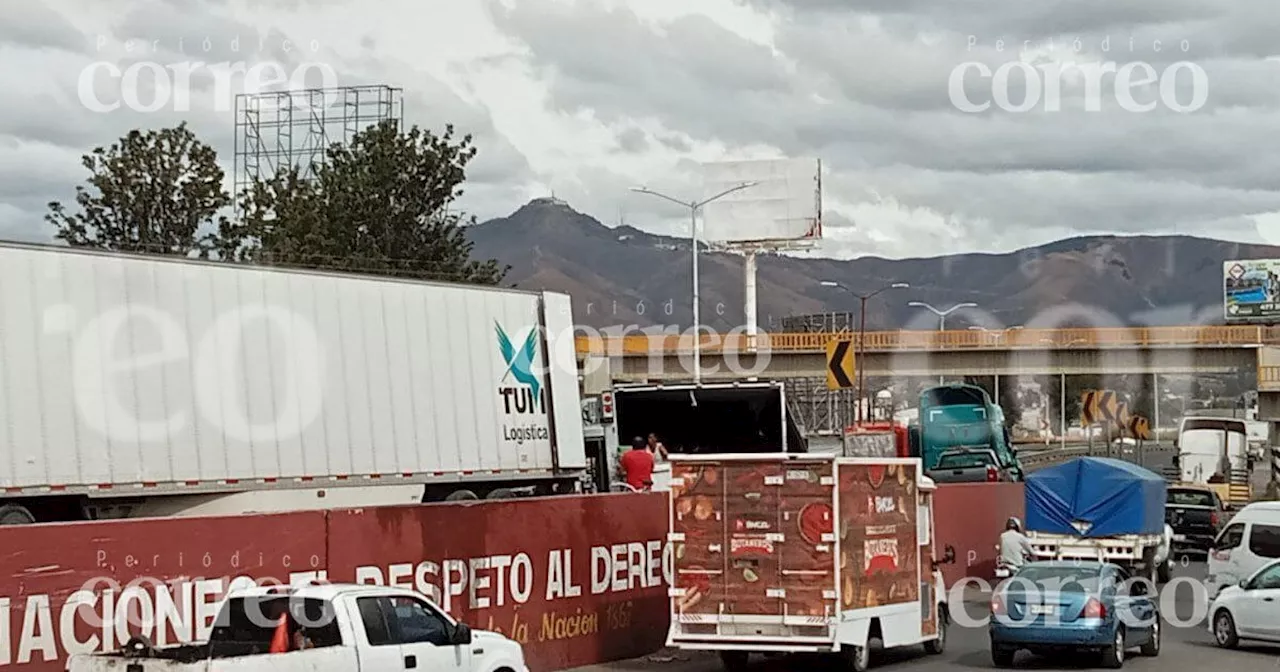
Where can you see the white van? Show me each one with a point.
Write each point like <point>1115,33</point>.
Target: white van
<point>1207,446</point>
<point>1249,541</point>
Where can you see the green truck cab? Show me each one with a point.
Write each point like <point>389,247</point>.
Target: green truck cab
<point>959,416</point>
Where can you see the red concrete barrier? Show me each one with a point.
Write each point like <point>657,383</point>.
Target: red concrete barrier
<point>82,587</point>
<point>576,580</point>
<point>970,517</point>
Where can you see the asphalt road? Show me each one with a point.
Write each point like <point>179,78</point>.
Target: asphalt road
<point>1184,648</point>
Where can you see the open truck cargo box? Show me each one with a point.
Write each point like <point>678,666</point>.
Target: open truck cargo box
<point>1095,497</point>
<point>786,552</point>
<point>706,418</point>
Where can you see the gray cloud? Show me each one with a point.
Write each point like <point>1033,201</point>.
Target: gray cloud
<point>864,85</point>
<point>45,132</point>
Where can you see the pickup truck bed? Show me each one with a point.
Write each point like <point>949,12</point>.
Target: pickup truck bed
<point>1194,514</point>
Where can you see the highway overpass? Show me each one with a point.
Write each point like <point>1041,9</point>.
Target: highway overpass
<point>1160,350</point>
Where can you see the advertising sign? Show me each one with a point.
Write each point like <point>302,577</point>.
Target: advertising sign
<point>1251,290</point>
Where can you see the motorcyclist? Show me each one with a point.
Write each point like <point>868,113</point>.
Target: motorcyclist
<point>1015,547</point>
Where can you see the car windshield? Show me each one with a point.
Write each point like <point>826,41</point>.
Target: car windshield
<point>961,460</point>
<point>1062,578</point>
<point>1190,498</point>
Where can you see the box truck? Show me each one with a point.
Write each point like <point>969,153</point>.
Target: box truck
<point>781,553</point>
<point>141,386</point>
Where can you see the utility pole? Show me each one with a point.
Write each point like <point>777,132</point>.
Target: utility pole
<point>942,316</point>
<point>862,330</point>
<point>694,206</point>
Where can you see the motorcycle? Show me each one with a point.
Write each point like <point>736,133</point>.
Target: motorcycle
<point>1003,569</point>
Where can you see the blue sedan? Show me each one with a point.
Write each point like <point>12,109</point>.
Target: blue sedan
<point>1069,606</point>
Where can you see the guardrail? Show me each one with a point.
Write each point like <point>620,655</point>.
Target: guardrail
<point>888,341</point>
<point>1054,456</point>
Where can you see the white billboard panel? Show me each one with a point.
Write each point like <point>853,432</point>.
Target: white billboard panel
<point>784,205</point>
<point>1251,290</point>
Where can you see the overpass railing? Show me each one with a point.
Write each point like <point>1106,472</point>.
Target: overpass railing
<point>888,341</point>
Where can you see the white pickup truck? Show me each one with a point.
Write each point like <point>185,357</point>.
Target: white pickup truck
<point>353,628</point>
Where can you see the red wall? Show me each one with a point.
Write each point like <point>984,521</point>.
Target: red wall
<point>578,580</point>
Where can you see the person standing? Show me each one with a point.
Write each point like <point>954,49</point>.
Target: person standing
<point>636,465</point>
<point>655,446</point>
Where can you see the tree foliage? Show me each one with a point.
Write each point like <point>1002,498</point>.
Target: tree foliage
<point>378,205</point>
<point>149,192</point>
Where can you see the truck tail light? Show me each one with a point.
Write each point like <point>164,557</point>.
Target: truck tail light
<point>1093,609</point>
<point>1213,518</point>
<point>992,474</point>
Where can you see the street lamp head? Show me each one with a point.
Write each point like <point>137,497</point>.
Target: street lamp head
<point>900,285</point>
<point>917,304</point>
<point>829,283</point>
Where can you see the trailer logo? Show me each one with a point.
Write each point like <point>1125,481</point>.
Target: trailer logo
<point>525,398</point>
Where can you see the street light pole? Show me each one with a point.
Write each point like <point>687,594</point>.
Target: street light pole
<point>694,206</point>
<point>862,331</point>
<point>942,317</point>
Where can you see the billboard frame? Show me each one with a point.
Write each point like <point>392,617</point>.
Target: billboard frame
<point>1267,311</point>
<point>750,245</point>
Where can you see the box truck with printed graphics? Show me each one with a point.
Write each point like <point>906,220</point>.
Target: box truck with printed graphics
<point>803,554</point>
<point>151,386</point>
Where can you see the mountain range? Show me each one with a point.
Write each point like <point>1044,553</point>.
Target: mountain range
<point>624,276</point>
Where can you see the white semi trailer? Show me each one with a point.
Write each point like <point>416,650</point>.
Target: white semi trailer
<point>138,386</point>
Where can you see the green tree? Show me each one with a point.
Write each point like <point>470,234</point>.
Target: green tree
<point>149,192</point>
<point>381,205</point>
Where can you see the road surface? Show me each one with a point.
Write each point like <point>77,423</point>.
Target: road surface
<point>1184,649</point>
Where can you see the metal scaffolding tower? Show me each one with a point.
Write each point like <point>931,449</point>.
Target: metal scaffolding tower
<point>279,130</point>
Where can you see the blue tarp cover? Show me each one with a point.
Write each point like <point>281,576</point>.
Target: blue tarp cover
<point>1108,497</point>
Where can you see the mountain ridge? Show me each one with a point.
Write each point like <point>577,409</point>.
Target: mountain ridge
<point>626,276</point>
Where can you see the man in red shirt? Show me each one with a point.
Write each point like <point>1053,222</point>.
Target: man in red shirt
<point>636,465</point>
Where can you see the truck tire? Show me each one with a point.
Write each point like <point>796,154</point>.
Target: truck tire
<point>1165,572</point>
<point>461,496</point>
<point>938,646</point>
<point>734,661</point>
<point>14,514</point>
<point>857,658</point>
<point>501,493</point>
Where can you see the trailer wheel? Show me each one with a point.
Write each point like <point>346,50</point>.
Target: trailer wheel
<point>501,493</point>
<point>14,514</point>
<point>461,496</point>
<point>734,661</point>
<point>1165,572</point>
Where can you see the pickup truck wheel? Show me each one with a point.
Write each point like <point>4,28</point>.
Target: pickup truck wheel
<point>13,514</point>
<point>1113,656</point>
<point>734,661</point>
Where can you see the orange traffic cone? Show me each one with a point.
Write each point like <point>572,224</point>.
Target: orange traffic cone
<point>280,640</point>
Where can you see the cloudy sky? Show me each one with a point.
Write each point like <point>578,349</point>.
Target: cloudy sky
<point>586,98</point>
